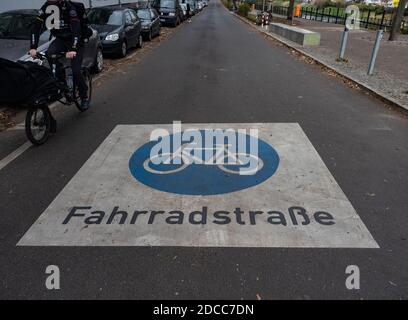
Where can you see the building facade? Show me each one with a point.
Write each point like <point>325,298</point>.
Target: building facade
<point>6,5</point>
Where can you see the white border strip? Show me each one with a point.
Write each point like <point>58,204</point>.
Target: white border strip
<point>14,155</point>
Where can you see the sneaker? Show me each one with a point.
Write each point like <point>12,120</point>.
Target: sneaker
<point>85,104</point>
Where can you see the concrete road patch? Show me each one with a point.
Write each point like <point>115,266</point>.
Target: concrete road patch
<point>297,204</point>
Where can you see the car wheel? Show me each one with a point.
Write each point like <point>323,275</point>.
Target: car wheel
<point>99,63</point>
<point>140,42</point>
<point>123,49</point>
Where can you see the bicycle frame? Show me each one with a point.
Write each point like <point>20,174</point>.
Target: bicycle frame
<point>222,151</point>
<point>63,92</point>
<point>67,91</point>
<point>185,158</point>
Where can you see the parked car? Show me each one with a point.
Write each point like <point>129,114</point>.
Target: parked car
<point>170,12</point>
<point>15,34</point>
<point>150,23</point>
<point>200,5</point>
<point>193,6</point>
<point>119,29</point>
<point>184,11</point>
<point>205,3</point>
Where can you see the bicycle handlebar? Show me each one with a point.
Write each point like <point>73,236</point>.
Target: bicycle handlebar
<point>58,55</point>
<point>40,55</point>
<point>43,56</point>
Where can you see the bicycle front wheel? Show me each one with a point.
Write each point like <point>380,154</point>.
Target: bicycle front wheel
<point>38,125</point>
<point>250,166</point>
<point>88,80</point>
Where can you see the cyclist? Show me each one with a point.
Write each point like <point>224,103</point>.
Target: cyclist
<point>68,38</point>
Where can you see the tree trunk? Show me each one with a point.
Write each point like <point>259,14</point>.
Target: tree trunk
<point>396,22</point>
<point>290,9</point>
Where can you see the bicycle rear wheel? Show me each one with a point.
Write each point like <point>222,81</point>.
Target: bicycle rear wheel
<point>163,168</point>
<point>77,99</point>
<point>38,125</point>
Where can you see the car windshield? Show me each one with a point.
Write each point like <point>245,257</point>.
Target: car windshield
<point>105,17</point>
<point>169,4</point>
<point>16,26</point>
<point>143,14</point>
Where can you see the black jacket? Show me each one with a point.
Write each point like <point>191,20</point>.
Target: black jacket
<point>69,28</point>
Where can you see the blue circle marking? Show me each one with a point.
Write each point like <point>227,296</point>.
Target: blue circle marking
<point>200,179</point>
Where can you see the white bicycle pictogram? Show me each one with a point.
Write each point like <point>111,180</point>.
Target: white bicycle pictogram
<point>223,158</point>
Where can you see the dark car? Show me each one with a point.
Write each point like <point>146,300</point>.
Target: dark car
<point>184,14</point>
<point>15,34</point>
<point>150,23</point>
<point>193,6</point>
<point>170,12</point>
<point>118,27</point>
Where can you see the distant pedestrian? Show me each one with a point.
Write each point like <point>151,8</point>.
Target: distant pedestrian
<point>188,12</point>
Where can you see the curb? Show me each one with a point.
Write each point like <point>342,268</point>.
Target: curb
<point>364,86</point>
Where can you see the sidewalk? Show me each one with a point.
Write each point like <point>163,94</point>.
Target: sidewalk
<point>390,78</point>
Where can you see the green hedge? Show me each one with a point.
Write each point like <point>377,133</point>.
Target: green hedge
<point>227,3</point>
<point>243,9</point>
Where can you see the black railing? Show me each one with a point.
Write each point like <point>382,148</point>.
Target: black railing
<point>369,20</point>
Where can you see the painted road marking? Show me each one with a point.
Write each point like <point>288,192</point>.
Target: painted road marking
<point>203,169</point>
<point>299,205</point>
<point>14,155</point>
<point>19,151</point>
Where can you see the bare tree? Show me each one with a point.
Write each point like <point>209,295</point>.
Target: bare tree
<point>396,22</point>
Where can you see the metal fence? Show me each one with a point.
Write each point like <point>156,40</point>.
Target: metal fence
<point>369,20</point>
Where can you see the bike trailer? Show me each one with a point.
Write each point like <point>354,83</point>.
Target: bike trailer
<point>26,83</point>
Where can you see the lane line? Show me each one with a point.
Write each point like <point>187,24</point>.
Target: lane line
<point>14,155</point>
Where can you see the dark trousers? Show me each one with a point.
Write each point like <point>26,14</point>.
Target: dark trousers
<point>59,46</point>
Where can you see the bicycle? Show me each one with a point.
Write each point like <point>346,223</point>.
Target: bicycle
<point>39,123</point>
<point>226,160</point>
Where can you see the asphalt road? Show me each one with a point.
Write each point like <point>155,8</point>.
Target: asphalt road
<point>217,70</point>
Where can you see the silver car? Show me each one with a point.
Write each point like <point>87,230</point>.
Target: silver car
<point>15,34</point>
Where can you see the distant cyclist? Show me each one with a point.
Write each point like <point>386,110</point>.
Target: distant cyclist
<point>188,12</point>
<point>68,38</point>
